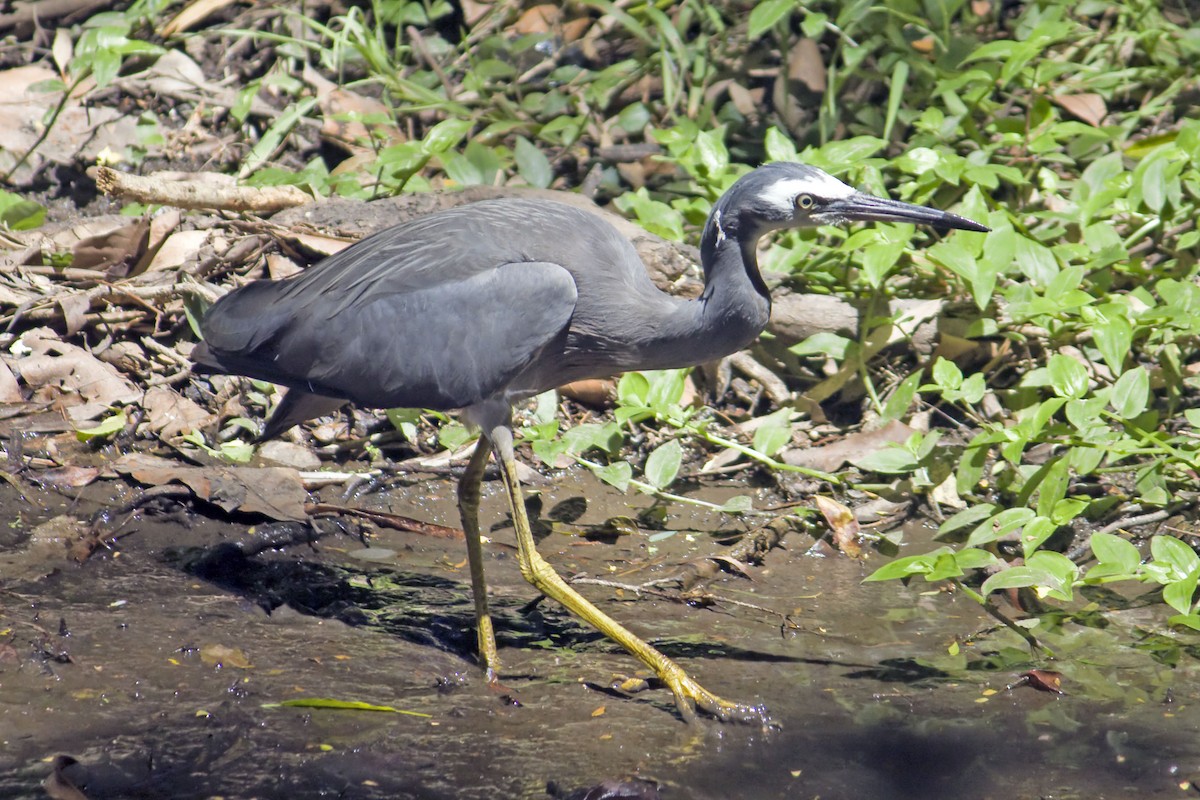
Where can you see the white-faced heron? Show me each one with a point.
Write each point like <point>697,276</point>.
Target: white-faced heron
<point>487,304</point>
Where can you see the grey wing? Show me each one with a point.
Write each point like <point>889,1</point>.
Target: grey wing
<point>446,346</point>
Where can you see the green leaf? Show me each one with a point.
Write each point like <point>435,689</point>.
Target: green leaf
<point>1111,549</point>
<point>773,432</point>
<point>1131,393</point>
<point>822,343</point>
<point>1178,594</point>
<point>1052,487</point>
<point>901,399</point>
<point>946,374</point>
<point>899,84</point>
<point>1190,620</point>
<point>1180,559</point>
<point>1113,336</point>
<point>766,14</point>
<point>908,566</point>
<point>1068,377</point>
<point>453,436</point>
<point>617,474</point>
<point>970,516</point>
<point>890,460</point>
<point>740,504</point>
<point>445,136</point>
<point>109,426</point>
<point>663,464</point>
<point>1000,525</point>
<point>713,156</point>
<point>1035,534</point>
<point>19,214</point>
<point>345,705</point>
<point>532,164</point>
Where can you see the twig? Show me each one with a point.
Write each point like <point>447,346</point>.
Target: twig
<point>199,194</point>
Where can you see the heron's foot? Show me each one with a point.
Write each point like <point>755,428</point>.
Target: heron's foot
<point>691,697</point>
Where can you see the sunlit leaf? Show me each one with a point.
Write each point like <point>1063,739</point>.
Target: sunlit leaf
<point>663,464</point>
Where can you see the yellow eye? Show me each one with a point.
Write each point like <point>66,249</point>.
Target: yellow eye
<point>805,202</point>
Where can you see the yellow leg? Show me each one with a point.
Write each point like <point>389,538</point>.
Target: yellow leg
<point>689,695</point>
<point>468,509</point>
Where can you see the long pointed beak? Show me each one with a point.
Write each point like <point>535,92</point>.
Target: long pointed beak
<point>868,208</point>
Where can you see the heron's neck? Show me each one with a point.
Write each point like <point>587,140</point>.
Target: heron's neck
<point>729,314</point>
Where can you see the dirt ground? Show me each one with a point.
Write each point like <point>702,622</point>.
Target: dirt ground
<point>158,666</point>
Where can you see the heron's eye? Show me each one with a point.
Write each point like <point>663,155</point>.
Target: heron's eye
<point>805,202</point>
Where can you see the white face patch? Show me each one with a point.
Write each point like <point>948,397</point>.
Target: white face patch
<point>782,194</point>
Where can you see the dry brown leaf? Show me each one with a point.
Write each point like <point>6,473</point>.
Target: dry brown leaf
<point>538,19</point>
<point>10,391</point>
<point>193,15</point>
<point>594,392</point>
<point>55,367</point>
<point>75,307</point>
<point>178,249</point>
<point>169,414</point>
<point>1086,106</point>
<point>79,133</point>
<point>48,545</point>
<point>115,251</point>
<point>841,523</point>
<point>831,457</point>
<point>274,492</point>
<point>69,477</point>
<point>280,267</point>
<point>343,112</point>
<point>220,655</point>
<point>806,65</point>
<point>474,10</point>
<point>1043,680</point>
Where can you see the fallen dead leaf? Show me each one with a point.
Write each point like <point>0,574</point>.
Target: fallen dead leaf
<point>55,367</point>
<point>69,477</point>
<point>1041,679</point>
<point>1087,106</point>
<point>274,492</point>
<point>10,390</point>
<point>594,393</point>
<point>220,655</point>
<point>841,523</point>
<point>831,457</point>
<point>538,19</point>
<point>170,414</point>
<point>115,251</point>
<point>192,15</point>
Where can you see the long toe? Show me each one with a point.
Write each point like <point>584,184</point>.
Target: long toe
<point>691,697</point>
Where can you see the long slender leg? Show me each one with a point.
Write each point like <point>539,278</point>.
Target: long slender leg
<point>468,509</point>
<point>689,695</point>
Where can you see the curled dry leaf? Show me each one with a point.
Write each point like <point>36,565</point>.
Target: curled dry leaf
<point>1041,679</point>
<point>594,392</point>
<point>842,524</point>
<point>806,65</point>
<point>10,390</point>
<point>54,368</point>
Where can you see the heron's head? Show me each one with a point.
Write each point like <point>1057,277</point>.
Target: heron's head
<point>785,194</point>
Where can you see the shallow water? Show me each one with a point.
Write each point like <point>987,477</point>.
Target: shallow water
<point>871,701</point>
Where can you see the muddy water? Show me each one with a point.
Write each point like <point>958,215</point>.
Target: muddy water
<point>158,672</point>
